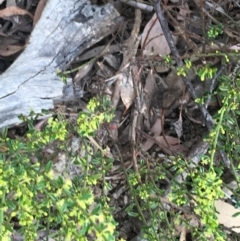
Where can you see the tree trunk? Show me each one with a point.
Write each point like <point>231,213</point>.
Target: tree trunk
<point>65,29</point>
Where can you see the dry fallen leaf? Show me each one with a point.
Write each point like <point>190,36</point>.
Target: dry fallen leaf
<point>225,215</point>
<point>149,90</point>
<point>178,126</point>
<point>152,36</point>
<point>174,143</point>
<point>156,130</point>
<point>151,85</point>
<point>8,50</point>
<point>127,92</point>
<point>13,10</point>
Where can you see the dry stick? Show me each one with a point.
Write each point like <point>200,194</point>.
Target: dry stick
<point>138,5</point>
<point>207,117</point>
<point>134,36</point>
<point>212,85</point>
<point>131,45</point>
<point>137,107</point>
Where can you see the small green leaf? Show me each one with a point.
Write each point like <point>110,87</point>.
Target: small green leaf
<point>96,210</point>
<point>48,167</point>
<point>236,214</point>
<point>133,214</point>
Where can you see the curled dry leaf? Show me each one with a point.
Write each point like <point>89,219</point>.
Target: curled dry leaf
<point>153,40</point>
<point>127,92</point>
<point>13,10</point>
<point>178,126</point>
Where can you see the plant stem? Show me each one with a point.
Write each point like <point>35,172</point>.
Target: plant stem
<point>2,216</point>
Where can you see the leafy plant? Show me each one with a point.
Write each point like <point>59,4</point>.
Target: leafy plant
<point>37,199</point>
<point>215,30</point>
<point>203,185</point>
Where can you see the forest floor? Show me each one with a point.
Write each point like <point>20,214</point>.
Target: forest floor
<point>172,90</point>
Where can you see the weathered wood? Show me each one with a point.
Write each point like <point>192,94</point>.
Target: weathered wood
<point>65,30</point>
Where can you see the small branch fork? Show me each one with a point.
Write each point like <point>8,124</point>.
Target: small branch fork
<point>207,117</point>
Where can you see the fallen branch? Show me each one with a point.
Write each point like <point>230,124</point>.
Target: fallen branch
<point>65,30</point>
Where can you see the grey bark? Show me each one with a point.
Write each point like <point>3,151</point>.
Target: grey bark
<point>65,29</point>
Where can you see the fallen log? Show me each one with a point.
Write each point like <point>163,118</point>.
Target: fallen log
<point>65,30</point>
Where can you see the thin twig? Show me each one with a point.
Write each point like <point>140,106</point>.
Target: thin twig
<point>138,5</point>
<point>212,85</point>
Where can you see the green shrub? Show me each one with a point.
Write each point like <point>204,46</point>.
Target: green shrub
<point>37,199</point>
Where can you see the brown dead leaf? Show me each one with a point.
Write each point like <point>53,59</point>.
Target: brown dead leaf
<point>127,92</point>
<point>174,81</point>
<point>171,140</point>
<point>83,71</point>
<point>157,127</point>
<point>170,97</point>
<point>117,91</point>
<point>13,10</point>
<point>152,36</point>
<point>174,143</point>
<point>150,86</point>
<point>156,130</point>
<point>9,50</point>
<point>149,91</point>
<point>225,215</point>
<point>178,126</point>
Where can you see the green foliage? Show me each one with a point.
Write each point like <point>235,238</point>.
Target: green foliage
<point>206,72</point>
<point>89,121</point>
<point>214,31</point>
<point>203,185</point>
<point>39,199</point>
